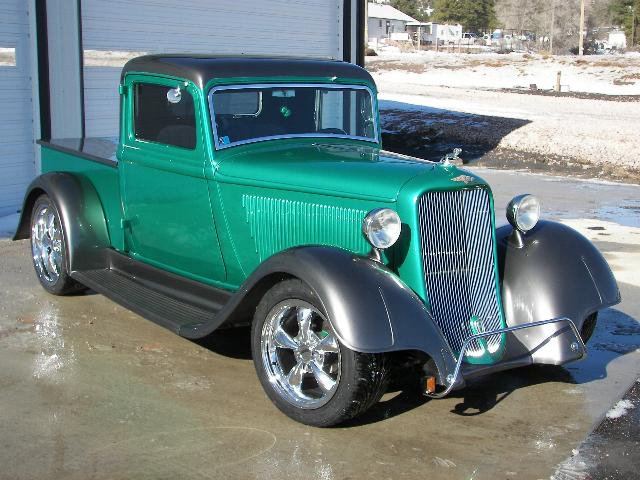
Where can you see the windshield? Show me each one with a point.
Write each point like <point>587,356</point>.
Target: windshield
<point>261,112</point>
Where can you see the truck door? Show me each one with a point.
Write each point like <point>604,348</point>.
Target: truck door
<point>168,220</point>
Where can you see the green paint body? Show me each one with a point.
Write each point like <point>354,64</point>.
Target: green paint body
<point>214,216</point>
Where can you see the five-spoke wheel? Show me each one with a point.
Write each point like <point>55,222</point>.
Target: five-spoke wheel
<point>46,243</point>
<point>300,353</point>
<point>302,364</point>
<point>48,248</point>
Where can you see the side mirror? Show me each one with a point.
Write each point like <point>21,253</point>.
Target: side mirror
<point>174,95</point>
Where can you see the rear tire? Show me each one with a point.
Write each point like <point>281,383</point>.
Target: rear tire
<point>329,387</point>
<point>49,249</point>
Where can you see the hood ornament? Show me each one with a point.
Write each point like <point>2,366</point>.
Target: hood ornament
<point>466,179</point>
<point>450,157</point>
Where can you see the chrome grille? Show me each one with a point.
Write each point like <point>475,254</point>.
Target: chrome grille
<point>459,265</point>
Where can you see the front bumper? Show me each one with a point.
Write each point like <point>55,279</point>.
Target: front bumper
<point>568,335</point>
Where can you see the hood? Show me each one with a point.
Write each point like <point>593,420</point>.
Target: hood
<point>328,167</point>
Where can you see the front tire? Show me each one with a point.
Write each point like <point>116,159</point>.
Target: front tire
<point>304,369</point>
<point>49,249</point>
<point>588,327</point>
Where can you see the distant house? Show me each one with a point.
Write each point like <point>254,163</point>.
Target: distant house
<point>387,23</point>
<point>617,39</point>
<point>609,38</point>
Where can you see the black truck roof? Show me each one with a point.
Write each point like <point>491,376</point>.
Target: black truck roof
<point>202,68</point>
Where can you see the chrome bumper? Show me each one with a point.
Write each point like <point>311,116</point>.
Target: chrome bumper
<point>453,379</point>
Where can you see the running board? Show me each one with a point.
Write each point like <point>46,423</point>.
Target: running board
<point>169,300</point>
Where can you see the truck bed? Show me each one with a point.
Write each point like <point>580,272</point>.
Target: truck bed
<point>96,149</point>
<point>94,161</point>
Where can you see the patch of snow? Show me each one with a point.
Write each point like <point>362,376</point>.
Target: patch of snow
<point>620,409</point>
<point>611,75</point>
<point>573,468</point>
<point>8,225</point>
<point>411,103</point>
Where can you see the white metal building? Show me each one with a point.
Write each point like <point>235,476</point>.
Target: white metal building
<point>443,33</point>
<point>385,22</point>
<point>16,97</point>
<point>60,60</point>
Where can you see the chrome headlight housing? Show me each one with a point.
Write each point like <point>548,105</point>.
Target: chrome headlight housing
<point>523,212</point>
<point>381,227</point>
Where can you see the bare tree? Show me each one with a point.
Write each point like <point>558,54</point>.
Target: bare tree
<point>560,18</point>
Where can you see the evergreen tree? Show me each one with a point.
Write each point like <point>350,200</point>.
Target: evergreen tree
<point>471,14</point>
<point>449,11</point>
<point>414,8</point>
<point>626,13</point>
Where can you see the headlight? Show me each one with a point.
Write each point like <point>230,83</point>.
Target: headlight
<point>523,212</point>
<point>381,227</point>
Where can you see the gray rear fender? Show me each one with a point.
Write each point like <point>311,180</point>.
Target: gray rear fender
<point>82,215</point>
<point>369,307</point>
<point>553,272</point>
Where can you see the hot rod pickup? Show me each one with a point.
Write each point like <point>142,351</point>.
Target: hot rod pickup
<point>255,191</point>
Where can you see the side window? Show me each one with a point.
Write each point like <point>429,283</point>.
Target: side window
<point>157,119</point>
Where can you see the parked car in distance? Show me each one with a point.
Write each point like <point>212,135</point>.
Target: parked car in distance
<point>469,38</point>
<point>255,191</point>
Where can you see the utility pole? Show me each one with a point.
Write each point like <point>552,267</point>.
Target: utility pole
<point>633,25</point>
<point>553,26</point>
<point>581,44</point>
<point>366,28</point>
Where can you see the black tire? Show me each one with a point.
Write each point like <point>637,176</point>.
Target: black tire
<point>363,376</point>
<point>62,284</point>
<point>588,327</point>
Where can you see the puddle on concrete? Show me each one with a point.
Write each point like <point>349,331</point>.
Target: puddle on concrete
<point>627,214</point>
<point>615,335</point>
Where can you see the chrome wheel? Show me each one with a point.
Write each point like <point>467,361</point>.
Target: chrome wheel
<point>300,354</point>
<point>46,243</point>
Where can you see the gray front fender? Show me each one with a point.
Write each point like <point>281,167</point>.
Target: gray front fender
<point>369,307</point>
<point>553,272</point>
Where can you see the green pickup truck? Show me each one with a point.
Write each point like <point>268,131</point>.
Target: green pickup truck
<point>255,191</point>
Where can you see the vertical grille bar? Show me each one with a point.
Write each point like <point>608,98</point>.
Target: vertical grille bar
<point>459,265</point>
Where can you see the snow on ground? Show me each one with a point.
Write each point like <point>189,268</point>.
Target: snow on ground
<point>8,225</point>
<point>590,130</point>
<point>620,409</point>
<point>611,74</point>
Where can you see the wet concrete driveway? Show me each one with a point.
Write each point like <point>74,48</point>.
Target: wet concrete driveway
<point>89,390</point>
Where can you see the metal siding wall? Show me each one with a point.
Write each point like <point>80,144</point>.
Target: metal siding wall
<point>16,141</point>
<point>310,28</point>
<point>64,69</point>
